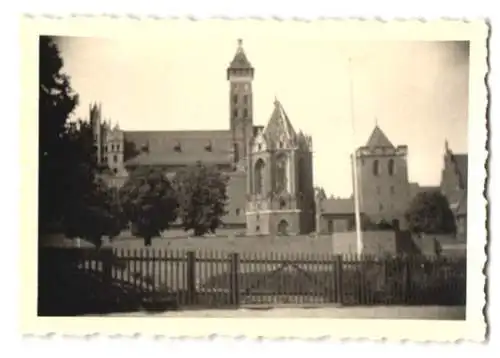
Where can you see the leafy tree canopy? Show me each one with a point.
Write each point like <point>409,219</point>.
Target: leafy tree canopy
<point>149,203</point>
<point>429,212</point>
<point>95,215</point>
<point>202,197</point>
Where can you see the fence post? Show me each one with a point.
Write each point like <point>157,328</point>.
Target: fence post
<point>234,284</point>
<point>191,277</point>
<point>340,281</point>
<point>107,264</point>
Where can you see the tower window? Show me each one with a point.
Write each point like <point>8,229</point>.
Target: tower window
<point>375,167</point>
<point>115,158</point>
<point>259,176</point>
<point>235,113</point>
<point>117,147</point>
<point>178,148</point>
<point>208,147</point>
<point>245,99</point>
<point>238,212</point>
<point>282,203</point>
<point>235,98</point>
<point>245,112</point>
<point>391,167</point>
<point>112,147</point>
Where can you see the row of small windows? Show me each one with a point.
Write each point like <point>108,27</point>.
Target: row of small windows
<point>376,167</point>
<point>236,112</point>
<point>113,147</point>
<point>236,99</point>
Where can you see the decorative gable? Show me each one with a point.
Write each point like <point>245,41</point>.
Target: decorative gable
<point>279,128</point>
<point>259,143</point>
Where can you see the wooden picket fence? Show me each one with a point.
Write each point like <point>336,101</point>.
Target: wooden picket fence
<point>152,277</point>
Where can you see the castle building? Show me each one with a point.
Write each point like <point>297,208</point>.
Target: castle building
<point>454,186</point>
<point>270,185</point>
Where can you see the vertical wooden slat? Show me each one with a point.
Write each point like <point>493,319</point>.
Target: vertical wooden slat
<point>191,277</point>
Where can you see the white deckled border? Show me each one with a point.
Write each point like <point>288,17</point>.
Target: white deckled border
<point>473,328</point>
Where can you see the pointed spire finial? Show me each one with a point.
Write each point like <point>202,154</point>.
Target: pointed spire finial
<point>276,102</point>
<point>446,146</point>
<point>376,122</point>
<point>240,44</point>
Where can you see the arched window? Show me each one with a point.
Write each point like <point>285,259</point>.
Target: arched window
<point>391,167</point>
<point>281,173</point>
<point>375,167</point>
<point>259,176</point>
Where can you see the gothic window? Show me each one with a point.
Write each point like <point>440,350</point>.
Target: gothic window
<point>112,147</point>
<point>115,158</point>
<point>245,113</point>
<point>282,203</point>
<point>235,98</point>
<point>259,176</point>
<point>259,146</point>
<point>281,174</point>
<point>391,167</point>
<point>375,167</point>
<point>235,113</point>
<point>245,99</point>
<point>237,212</point>
<point>118,147</point>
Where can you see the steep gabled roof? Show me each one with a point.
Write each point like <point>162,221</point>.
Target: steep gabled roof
<point>378,139</point>
<point>240,60</point>
<point>279,125</point>
<point>461,162</point>
<point>179,147</point>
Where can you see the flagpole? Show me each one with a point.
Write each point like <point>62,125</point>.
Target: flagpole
<point>359,235</point>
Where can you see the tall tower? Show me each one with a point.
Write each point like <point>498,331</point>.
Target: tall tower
<point>280,187</point>
<point>240,76</point>
<point>95,114</point>
<point>382,172</point>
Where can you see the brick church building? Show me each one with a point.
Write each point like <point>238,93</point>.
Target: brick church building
<point>270,168</point>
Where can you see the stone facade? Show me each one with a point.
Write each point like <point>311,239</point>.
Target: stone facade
<point>382,175</point>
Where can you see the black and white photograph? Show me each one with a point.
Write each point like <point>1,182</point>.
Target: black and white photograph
<point>239,170</point>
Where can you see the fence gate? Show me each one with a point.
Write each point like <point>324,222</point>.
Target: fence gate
<point>302,280</point>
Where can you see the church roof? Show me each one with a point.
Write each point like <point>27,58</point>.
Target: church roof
<point>179,147</point>
<point>240,60</point>
<point>378,139</point>
<point>279,124</point>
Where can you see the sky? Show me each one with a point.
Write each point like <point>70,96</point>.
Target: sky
<point>417,92</point>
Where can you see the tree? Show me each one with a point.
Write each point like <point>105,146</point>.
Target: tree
<point>98,214</point>
<point>430,213</point>
<point>57,100</point>
<point>149,203</point>
<point>202,196</point>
